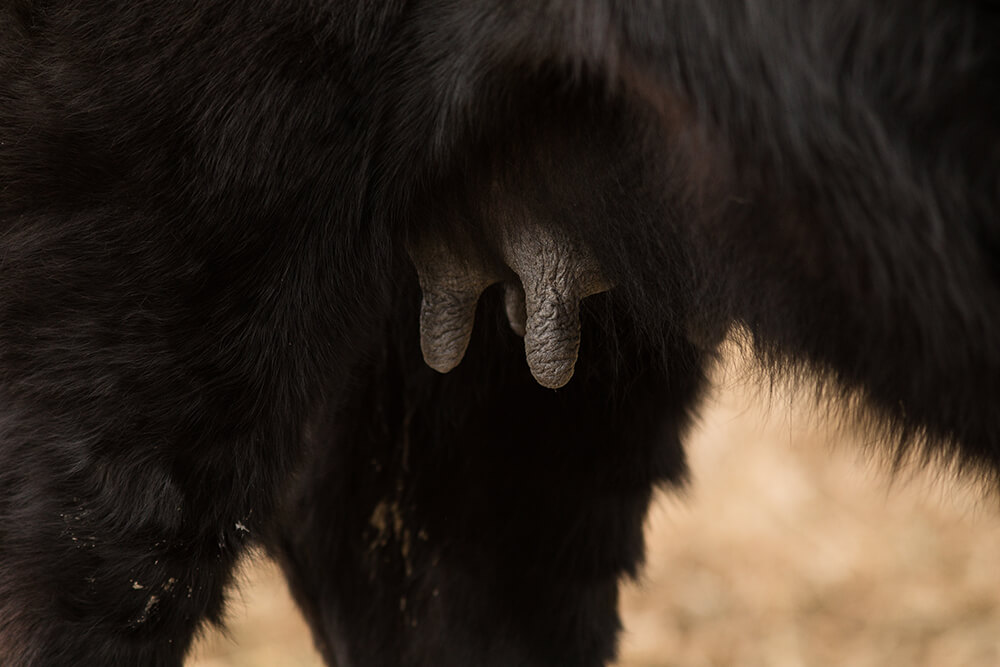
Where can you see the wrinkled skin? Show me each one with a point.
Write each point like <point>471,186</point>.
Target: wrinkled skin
<point>547,277</point>
<point>218,223</point>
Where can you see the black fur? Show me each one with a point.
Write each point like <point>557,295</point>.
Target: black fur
<point>208,321</point>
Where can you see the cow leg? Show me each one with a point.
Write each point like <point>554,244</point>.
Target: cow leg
<point>102,567</point>
<point>476,518</point>
<point>138,456</point>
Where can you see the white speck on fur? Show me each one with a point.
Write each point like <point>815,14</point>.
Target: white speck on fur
<point>150,603</point>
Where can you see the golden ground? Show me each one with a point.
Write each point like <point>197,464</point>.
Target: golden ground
<point>790,549</point>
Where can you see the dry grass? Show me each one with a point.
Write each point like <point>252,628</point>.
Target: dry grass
<point>788,550</point>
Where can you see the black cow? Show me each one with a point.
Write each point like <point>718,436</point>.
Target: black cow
<point>216,220</point>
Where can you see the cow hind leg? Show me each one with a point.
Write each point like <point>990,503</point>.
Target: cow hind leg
<point>477,517</point>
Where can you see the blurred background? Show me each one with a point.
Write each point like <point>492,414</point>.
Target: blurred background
<point>792,547</point>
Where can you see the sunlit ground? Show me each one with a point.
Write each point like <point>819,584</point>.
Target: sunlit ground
<point>790,548</point>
